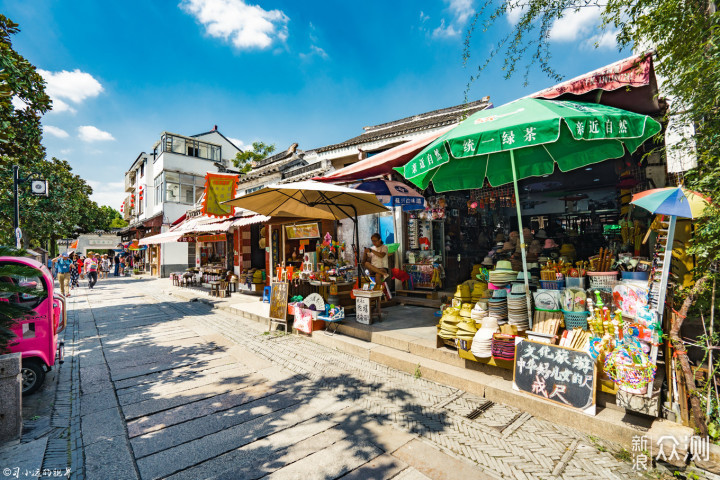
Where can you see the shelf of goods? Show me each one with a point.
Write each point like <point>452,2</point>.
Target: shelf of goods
<point>420,273</point>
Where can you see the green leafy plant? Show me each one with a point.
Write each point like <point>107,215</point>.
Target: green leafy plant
<point>245,160</point>
<point>418,373</point>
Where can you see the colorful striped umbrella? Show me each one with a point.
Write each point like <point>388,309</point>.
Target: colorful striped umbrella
<point>677,201</point>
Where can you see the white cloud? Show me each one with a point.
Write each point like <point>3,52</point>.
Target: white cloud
<point>66,151</point>
<point>88,133</point>
<point>111,194</point>
<point>445,31</point>
<point>424,17</point>
<point>314,50</point>
<point>604,41</point>
<point>246,26</point>
<point>239,143</point>
<point>461,9</point>
<point>514,13</point>
<point>575,24</point>
<point>55,131</point>
<point>75,86</point>
<point>18,104</point>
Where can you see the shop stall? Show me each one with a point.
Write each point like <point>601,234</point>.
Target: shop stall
<point>547,263</point>
<point>302,239</point>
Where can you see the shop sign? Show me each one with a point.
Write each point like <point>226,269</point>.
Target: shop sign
<point>558,374</point>
<point>278,302</point>
<point>362,310</point>
<point>306,230</point>
<point>186,239</point>
<point>220,237</point>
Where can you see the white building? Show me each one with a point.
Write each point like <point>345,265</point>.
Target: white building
<point>163,184</point>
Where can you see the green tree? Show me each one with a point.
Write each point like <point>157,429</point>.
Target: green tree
<point>244,160</point>
<point>114,218</point>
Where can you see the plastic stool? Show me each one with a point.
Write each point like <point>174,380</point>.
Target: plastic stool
<point>267,291</point>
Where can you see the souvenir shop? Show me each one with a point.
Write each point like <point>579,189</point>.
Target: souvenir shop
<point>595,268</point>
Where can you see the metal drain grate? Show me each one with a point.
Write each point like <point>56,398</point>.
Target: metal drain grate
<point>480,410</point>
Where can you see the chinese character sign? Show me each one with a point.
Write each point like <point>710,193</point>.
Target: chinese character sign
<point>362,310</point>
<point>557,374</point>
<point>219,188</point>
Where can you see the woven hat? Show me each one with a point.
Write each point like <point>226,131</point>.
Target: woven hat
<point>514,235</point>
<point>504,266</point>
<point>541,234</point>
<point>550,243</point>
<point>508,246</point>
<point>487,261</point>
<point>499,295</point>
<point>567,250</point>
<point>500,237</point>
<point>466,309</point>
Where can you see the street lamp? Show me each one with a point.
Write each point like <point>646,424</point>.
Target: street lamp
<point>38,187</point>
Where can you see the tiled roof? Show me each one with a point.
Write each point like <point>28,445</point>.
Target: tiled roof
<point>416,123</point>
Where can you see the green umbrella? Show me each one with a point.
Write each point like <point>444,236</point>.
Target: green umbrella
<point>526,138</point>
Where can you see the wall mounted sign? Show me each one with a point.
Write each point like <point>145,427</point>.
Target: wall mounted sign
<point>220,237</point>
<point>305,230</point>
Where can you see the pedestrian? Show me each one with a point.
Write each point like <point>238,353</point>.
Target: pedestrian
<point>122,266</point>
<point>62,265</point>
<point>104,266</point>
<point>74,272</point>
<point>116,260</point>
<point>91,268</point>
<point>80,261</point>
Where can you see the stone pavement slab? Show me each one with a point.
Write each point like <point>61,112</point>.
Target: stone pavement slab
<point>16,460</point>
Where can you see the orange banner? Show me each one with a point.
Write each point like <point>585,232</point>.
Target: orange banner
<point>219,188</point>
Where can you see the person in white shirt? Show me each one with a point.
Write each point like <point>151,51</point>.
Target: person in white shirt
<point>375,259</point>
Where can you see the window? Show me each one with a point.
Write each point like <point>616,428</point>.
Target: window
<point>189,147</point>
<point>29,300</point>
<point>179,188</point>
<point>254,189</point>
<point>142,169</point>
<point>158,189</point>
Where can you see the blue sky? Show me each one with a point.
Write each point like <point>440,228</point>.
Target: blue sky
<point>278,71</point>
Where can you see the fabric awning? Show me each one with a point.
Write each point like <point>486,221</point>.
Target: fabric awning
<point>165,237</point>
<point>241,222</point>
<point>382,163</point>
<point>629,84</point>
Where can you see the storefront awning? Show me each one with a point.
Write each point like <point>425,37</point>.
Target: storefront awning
<point>382,163</point>
<point>629,84</point>
<point>165,237</point>
<point>241,222</point>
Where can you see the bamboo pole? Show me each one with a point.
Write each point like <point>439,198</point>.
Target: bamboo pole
<point>522,239</point>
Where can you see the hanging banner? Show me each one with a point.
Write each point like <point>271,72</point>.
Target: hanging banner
<point>219,188</point>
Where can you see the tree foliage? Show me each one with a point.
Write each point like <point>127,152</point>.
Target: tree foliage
<point>244,160</point>
<point>68,209</point>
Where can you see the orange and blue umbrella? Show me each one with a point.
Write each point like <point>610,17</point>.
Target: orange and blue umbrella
<point>677,201</point>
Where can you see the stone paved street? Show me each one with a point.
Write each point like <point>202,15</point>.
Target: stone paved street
<point>173,389</point>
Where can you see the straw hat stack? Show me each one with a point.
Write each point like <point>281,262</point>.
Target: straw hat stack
<point>503,273</point>
<point>478,290</point>
<point>449,323</point>
<point>517,307</point>
<point>498,306</point>
<point>479,311</point>
<point>463,293</point>
<point>482,341</point>
<point>465,310</point>
<point>466,330</point>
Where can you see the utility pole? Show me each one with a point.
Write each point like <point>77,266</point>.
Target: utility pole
<point>38,187</point>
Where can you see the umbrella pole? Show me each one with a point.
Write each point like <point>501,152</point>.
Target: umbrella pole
<point>522,239</point>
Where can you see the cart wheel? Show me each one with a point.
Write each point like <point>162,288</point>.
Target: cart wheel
<point>33,376</point>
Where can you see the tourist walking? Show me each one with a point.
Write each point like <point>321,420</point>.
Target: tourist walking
<point>74,271</point>
<point>91,268</point>
<point>104,266</point>
<point>116,260</point>
<point>62,265</point>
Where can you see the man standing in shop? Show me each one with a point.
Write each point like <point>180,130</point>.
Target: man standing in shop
<point>375,259</point>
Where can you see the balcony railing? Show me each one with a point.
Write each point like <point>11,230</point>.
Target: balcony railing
<point>130,181</point>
